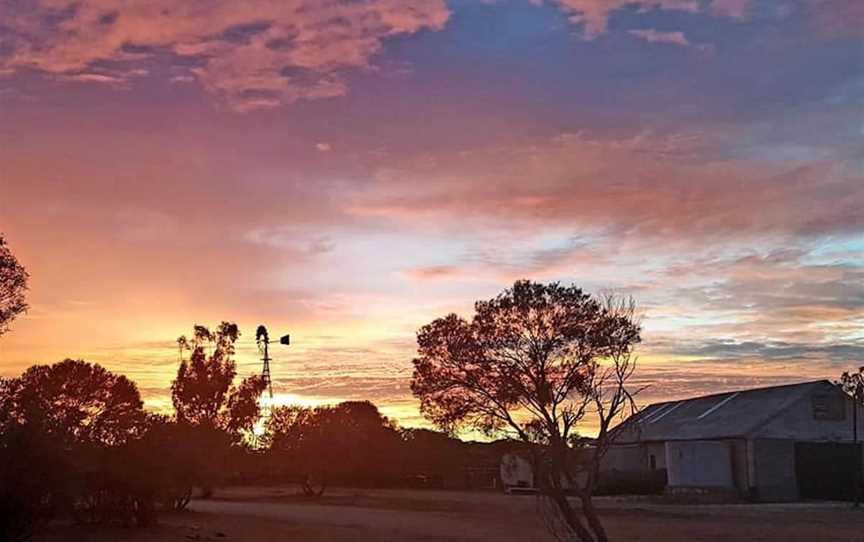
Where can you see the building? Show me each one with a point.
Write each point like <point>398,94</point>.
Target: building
<point>770,444</point>
<point>516,472</point>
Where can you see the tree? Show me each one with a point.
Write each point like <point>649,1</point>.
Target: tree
<point>13,285</point>
<point>853,384</point>
<point>75,402</point>
<point>346,443</point>
<point>213,413</point>
<point>533,362</point>
<point>61,426</point>
<point>433,458</point>
<point>203,393</point>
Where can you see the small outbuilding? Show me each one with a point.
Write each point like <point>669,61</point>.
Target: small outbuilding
<point>516,472</point>
<point>781,443</point>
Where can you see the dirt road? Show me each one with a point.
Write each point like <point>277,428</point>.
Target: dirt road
<point>279,514</point>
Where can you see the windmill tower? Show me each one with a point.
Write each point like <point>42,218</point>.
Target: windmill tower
<point>263,340</point>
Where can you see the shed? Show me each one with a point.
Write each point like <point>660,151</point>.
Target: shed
<point>779,443</point>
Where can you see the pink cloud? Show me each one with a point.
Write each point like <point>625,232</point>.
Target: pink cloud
<point>838,18</point>
<point>736,9</point>
<point>432,272</point>
<point>252,54</point>
<point>645,185</point>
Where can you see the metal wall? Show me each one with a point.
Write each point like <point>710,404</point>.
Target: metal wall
<point>700,463</point>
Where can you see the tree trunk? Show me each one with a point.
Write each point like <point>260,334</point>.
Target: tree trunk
<point>559,472</point>
<point>570,516</point>
<point>594,523</point>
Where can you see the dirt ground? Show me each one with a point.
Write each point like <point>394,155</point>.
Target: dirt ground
<point>279,514</point>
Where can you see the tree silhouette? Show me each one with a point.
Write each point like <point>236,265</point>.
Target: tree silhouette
<point>533,362</point>
<point>203,393</point>
<point>853,384</point>
<point>213,413</point>
<point>61,427</point>
<point>74,401</point>
<point>345,443</point>
<point>13,285</point>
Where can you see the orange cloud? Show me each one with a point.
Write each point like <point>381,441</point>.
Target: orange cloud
<point>433,272</point>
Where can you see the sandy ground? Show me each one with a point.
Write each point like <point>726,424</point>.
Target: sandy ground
<point>279,514</point>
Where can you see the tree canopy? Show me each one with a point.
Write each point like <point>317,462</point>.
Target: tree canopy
<point>204,393</point>
<point>853,384</point>
<point>13,286</point>
<point>534,361</point>
<point>345,442</point>
<point>532,349</point>
<point>64,432</point>
<point>75,401</point>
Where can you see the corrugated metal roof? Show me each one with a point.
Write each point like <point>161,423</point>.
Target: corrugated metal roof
<point>722,415</point>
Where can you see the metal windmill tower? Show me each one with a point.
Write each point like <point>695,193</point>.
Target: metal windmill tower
<point>263,340</point>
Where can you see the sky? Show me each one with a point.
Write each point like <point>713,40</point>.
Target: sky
<point>348,170</point>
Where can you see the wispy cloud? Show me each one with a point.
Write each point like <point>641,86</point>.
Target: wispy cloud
<point>653,36</point>
<point>645,185</point>
<point>593,15</point>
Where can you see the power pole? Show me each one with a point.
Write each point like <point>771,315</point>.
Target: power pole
<point>857,397</point>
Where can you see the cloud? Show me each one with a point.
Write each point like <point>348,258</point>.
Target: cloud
<point>837,18</point>
<point>641,186</point>
<point>594,15</point>
<point>780,295</point>
<point>833,18</point>
<point>433,272</point>
<point>100,78</point>
<point>653,36</point>
<point>252,53</point>
<point>728,350</point>
<point>736,9</point>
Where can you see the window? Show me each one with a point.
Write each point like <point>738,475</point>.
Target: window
<point>653,460</point>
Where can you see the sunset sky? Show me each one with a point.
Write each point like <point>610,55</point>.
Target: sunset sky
<point>347,171</point>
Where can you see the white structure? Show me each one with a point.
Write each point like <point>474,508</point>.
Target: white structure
<point>778,443</point>
<point>516,471</point>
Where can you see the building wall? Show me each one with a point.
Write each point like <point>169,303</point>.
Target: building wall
<point>634,457</point>
<point>740,468</point>
<point>773,470</point>
<point>700,463</point>
<point>799,421</point>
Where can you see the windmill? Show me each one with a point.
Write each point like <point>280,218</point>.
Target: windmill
<point>263,340</point>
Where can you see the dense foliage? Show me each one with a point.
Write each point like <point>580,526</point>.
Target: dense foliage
<point>13,285</point>
<point>204,394</point>
<point>66,431</point>
<point>350,442</point>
